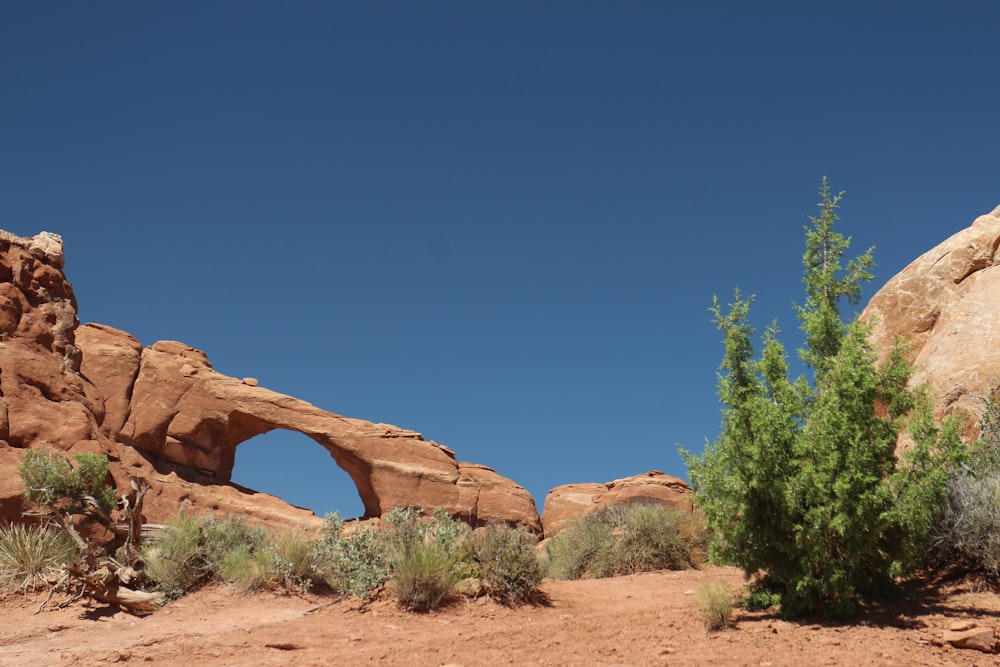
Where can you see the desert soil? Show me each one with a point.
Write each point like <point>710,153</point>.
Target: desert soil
<point>647,619</point>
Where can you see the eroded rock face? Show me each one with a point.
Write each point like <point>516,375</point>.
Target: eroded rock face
<point>947,304</point>
<point>569,501</point>
<point>164,414</point>
<point>43,398</point>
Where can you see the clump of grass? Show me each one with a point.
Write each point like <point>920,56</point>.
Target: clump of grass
<point>222,536</point>
<point>193,550</point>
<point>428,556</point>
<point>30,555</point>
<point>624,539</point>
<point>293,559</point>
<point>246,568</point>
<point>175,560</point>
<point>424,574</point>
<point>715,604</point>
<point>507,562</point>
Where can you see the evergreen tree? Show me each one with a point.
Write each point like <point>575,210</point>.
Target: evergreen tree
<point>803,484</point>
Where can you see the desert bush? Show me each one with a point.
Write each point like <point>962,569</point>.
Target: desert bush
<point>50,479</point>
<point>585,547</point>
<point>30,555</point>
<point>715,604</point>
<point>505,559</point>
<point>221,536</point>
<point>424,573</point>
<point>247,568</point>
<point>193,550</point>
<point>175,560</point>
<point>966,534</point>
<point>293,559</point>
<point>655,537</point>
<point>355,564</point>
<point>428,555</point>
<point>623,539</point>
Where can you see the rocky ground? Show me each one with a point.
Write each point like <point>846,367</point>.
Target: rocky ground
<point>647,619</point>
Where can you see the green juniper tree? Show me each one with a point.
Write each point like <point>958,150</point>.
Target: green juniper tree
<point>803,484</point>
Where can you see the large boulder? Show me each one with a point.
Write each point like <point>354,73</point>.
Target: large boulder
<point>945,303</point>
<point>164,414</point>
<point>570,501</point>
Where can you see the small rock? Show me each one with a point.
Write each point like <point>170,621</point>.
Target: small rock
<point>980,639</point>
<point>959,626</point>
<point>250,382</point>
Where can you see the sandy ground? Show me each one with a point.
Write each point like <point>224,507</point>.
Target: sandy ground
<point>647,619</point>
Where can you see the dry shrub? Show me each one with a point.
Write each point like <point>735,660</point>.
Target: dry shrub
<point>624,539</point>
<point>715,604</point>
<point>507,562</point>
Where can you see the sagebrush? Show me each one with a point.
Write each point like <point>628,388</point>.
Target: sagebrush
<point>506,561</point>
<point>966,532</point>
<point>624,539</point>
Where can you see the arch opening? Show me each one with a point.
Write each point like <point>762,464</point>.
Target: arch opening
<point>297,469</point>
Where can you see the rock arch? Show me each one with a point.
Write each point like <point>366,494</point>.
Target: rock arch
<point>181,412</point>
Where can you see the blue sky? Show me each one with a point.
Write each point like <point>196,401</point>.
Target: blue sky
<point>499,224</point>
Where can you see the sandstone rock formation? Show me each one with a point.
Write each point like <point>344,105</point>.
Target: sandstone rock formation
<point>569,501</point>
<point>163,413</point>
<point>947,304</point>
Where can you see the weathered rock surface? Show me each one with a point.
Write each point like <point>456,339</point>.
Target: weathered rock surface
<point>946,304</point>
<point>163,413</point>
<point>569,501</point>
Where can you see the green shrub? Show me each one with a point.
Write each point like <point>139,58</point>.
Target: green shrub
<point>425,572</point>
<point>175,560</point>
<point>715,604</point>
<point>51,478</point>
<point>30,555</point>
<point>585,547</point>
<point>192,550</point>
<point>507,562</point>
<point>230,533</point>
<point>655,537</point>
<point>406,525</point>
<point>355,564</point>
<point>623,539</point>
<point>759,596</point>
<point>428,555</point>
<point>247,568</point>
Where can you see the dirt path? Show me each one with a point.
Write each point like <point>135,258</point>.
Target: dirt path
<point>640,620</point>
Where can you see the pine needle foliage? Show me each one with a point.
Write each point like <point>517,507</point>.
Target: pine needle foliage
<point>803,483</point>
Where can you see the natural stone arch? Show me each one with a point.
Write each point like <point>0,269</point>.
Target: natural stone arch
<point>164,415</point>
<point>184,414</point>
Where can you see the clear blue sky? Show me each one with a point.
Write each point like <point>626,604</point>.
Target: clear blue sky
<point>499,224</point>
